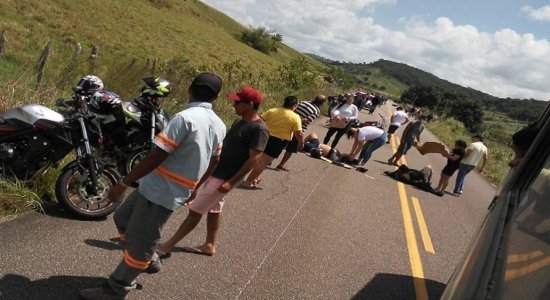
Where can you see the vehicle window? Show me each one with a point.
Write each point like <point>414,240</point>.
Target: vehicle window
<point>527,267</point>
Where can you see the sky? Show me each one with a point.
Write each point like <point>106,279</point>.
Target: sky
<point>500,47</point>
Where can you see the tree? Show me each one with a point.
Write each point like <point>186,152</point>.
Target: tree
<point>338,76</point>
<point>422,96</point>
<point>261,39</point>
<point>469,112</point>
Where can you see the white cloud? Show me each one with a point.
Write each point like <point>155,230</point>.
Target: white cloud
<point>503,63</point>
<point>538,14</point>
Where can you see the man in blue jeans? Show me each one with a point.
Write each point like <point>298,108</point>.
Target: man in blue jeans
<point>475,153</point>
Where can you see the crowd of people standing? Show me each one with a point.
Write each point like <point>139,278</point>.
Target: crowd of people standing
<point>198,162</point>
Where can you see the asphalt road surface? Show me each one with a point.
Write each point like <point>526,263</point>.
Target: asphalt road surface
<point>319,231</point>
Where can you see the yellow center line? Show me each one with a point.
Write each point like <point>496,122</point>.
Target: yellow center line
<point>423,227</point>
<point>412,246</point>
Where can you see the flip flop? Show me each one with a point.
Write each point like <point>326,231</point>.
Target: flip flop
<point>250,186</point>
<point>196,250</point>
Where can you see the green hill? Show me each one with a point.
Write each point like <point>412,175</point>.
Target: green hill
<point>397,77</point>
<point>135,38</point>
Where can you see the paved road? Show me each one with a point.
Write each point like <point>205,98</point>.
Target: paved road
<point>317,232</point>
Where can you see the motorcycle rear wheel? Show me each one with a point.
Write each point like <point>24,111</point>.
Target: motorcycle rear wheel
<point>71,190</point>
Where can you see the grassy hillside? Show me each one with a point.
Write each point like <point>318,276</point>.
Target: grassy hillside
<point>175,39</point>
<point>127,29</point>
<point>172,38</point>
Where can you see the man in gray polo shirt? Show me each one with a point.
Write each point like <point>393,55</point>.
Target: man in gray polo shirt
<point>168,176</point>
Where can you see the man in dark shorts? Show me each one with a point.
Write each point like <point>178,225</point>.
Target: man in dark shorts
<point>398,118</point>
<point>242,148</point>
<point>411,132</point>
<point>308,112</point>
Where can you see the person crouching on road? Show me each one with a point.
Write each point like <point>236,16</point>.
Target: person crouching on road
<point>367,140</point>
<point>242,148</point>
<point>283,123</point>
<point>308,112</point>
<point>168,174</point>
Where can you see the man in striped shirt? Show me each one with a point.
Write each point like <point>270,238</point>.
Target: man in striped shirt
<point>308,112</point>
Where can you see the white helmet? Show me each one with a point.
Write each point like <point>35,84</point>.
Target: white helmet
<point>89,84</point>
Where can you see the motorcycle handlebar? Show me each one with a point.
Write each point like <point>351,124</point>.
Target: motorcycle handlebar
<point>64,103</point>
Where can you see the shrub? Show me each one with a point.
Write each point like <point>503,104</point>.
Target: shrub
<point>261,39</point>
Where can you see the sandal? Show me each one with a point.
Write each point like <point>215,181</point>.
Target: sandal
<point>282,168</point>
<point>248,186</point>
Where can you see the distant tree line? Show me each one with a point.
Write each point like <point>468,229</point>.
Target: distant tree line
<point>468,111</point>
<point>526,110</point>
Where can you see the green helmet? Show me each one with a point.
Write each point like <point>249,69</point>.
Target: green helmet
<point>156,87</point>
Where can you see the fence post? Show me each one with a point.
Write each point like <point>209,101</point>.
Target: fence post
<point>42,64</point>
<point>154,67</point>
<point>69,69</point>
<point>93,58</point>
<point>2,42</point>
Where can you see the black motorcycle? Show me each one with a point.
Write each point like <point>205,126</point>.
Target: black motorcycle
<point>129,128</point>
<point>33,138</point>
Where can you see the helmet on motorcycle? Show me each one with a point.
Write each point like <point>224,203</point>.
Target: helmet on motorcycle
<point>104,101</point>
<point>316,152</point>
<point>156,87</point>
<point>89,84</point>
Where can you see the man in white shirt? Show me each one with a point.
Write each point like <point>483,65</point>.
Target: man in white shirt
<point>475,153</point>
<point>398,118</point>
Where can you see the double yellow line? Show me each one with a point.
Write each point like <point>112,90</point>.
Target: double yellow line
<point>412,245</point>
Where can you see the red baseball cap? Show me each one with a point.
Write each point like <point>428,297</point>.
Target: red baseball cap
<point>247,94</point>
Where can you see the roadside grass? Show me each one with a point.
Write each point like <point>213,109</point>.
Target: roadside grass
<point>500,154</point>
<point>16,198</point>
<point>133,44</point>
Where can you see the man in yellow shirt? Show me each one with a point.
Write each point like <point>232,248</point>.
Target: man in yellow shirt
<point>282,123</point>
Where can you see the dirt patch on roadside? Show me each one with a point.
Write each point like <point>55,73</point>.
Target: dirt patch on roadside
<point>6,218</point>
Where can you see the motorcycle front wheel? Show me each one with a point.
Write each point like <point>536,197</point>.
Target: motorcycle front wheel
<point>72,190</point>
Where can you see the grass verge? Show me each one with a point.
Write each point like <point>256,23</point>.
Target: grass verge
<point>497,167</point>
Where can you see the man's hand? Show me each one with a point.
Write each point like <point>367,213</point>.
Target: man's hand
<point>225,187</point>
<point>116,193</point>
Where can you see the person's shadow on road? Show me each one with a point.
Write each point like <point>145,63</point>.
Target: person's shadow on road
<point>13,286</point>
<point>394,286</point>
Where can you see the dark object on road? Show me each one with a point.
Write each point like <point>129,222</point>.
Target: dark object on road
<point>418,178</point>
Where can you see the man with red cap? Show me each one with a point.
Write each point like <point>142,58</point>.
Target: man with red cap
<point>242,147</point>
